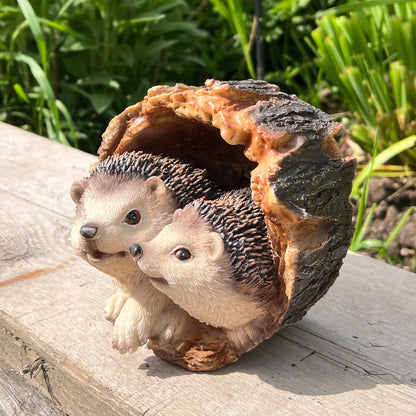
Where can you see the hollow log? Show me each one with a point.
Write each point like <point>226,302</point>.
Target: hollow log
<point>249,133</point>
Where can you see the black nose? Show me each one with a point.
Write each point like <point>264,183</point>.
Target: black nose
<point>88,230</point>
<point>136,250</point>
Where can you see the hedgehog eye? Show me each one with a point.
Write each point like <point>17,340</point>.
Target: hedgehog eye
<point>133,217</point>
<point>182,254</point>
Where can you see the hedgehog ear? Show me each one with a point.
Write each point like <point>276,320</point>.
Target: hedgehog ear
<point>215,246</point>
<point>77,189</point>
<point>156,186</point>
<point>177,214</point>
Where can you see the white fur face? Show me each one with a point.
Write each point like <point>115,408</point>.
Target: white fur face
<point>122,210</point>
<point>188,262</point>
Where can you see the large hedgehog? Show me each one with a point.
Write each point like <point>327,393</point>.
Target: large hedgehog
<point>127,198</point>
<point>215,261</point>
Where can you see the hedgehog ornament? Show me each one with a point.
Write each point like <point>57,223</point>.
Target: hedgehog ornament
<point>125,198</point>
<point>250,134</point>
<point>215,261</point>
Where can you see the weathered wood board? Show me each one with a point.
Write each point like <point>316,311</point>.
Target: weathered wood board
<point>19,397</point>
<point>353,354</point>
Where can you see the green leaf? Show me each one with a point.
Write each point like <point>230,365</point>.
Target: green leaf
<point>62,28</point>
<point>8,10</point>
<point>359,5</point>
<point>354,84</point>
<point>47,93</point>
<point>370,244</point>
<point>233,14</point>
<point>194,59</point>
<point>381,159</point>
<point>142,18</point>
<point>100,79</point>
<point>36,29</point>
<point>361,227</point>
<point>101,100</point>
<point>62,108</point>
<point>20,92</point>
<point>398,84</point>
<point>222,8</point>
<point>152,50</point>
<point>399,226</point>
<point>72,44</point>
<point>76,64</point>
<point>126,53</point>
<point>177,27</point>
<point>64,8</point>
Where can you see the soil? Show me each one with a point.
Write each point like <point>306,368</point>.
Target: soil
<point>393,197</point>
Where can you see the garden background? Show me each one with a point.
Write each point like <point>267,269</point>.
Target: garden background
<point>67,67</point>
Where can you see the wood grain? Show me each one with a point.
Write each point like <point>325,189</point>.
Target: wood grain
<point>353,354</point>
<point>19,398</point>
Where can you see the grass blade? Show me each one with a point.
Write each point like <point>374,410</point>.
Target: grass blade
<point>359,5</point>
<point>354,84</point>
<point>73,134</point>
<point>233,13</point>
<point>62,28</point>
<point>381,159</point>
<point>371,244</point>
<point>46,89</point>
<point>399,226</point>
<point>238,18</point>
<point>20,92</point>
<point>222,8</point>
<point>34,25</point>
<point>359,226</point>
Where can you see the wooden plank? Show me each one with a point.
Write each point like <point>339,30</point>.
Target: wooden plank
<point>19,398</point>
<point>353,353</point>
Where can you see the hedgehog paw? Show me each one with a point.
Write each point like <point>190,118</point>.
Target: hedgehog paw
<point>171,324</point>
<point>246,337</point>
<point>130,328</point>
<point>113,306</point>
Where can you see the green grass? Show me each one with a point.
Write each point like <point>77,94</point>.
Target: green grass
<point>232,11</point>
<point>363,219</point>
<point>368,57</point>
<point>379,160</point>
<point>361,223</point>
<point>67,67</point>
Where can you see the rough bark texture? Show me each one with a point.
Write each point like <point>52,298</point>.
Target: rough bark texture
<point>249,132</point>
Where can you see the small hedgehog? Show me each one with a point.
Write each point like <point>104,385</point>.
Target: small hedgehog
<point>131,197</point>
<point>216,262</point>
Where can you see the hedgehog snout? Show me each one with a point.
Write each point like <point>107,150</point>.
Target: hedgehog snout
<point>88,231</point>
<point>136,250</point>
